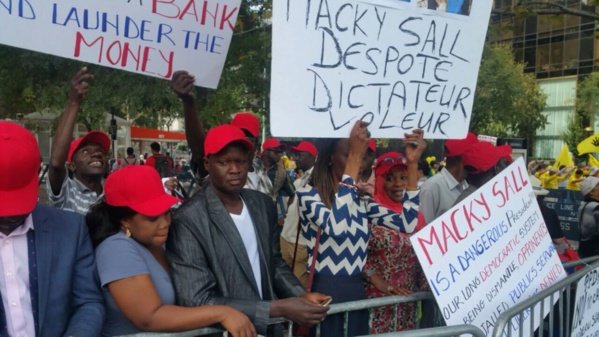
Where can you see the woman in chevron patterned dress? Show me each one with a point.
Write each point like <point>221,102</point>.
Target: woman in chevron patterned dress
<point>336,218</point>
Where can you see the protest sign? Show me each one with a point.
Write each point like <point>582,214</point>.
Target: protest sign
<point>391,63</point>
<point>586,306</point>
<point>150,37</point>
<point>489,252</point>
<point>566,203</point>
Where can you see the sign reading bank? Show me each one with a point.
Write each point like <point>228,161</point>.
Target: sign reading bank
<point>150,37</point>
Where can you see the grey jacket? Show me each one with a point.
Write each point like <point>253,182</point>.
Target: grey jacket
<point>209,263</point>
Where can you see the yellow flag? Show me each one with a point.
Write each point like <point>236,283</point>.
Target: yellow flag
<point>564,158</point>
<point>593,161</point>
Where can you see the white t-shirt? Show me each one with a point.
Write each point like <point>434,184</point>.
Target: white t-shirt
<point>246,229</point>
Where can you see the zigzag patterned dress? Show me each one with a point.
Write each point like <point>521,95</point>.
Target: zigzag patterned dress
<point>344,242</point>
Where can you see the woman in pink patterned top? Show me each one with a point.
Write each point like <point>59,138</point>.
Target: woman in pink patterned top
<point>392,267</point>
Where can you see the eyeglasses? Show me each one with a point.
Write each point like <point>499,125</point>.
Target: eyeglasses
<point>392,161</point>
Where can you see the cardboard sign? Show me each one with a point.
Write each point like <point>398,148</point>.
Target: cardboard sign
<point>398,65</point>
<point>586,307</point>
<point>150,37</point>
<point>489,252</point>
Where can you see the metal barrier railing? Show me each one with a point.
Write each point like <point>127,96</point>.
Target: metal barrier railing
<point>563,287</point>
<point>541,304</point>
<point>446,331</point>
<point>335,309</point>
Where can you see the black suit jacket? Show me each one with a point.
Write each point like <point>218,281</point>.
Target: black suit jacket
<point>209,263</point>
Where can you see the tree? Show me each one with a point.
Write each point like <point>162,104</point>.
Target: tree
<point>245,81</point>
<point>37,82</point>
<point>507,102</point>
<point>530,7</point>
<point>586,108</point>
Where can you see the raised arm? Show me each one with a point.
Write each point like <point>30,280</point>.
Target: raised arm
<point>57,171</point>
<point>182,85</point>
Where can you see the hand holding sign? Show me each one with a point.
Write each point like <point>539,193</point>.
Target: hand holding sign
<point>415,146</point>
<point>182,84</point>
<point>79,86</point>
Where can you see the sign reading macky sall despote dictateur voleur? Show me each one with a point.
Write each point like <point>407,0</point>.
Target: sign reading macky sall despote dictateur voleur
<point>398,65</point>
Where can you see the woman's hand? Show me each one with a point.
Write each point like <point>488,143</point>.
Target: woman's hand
<point>358,145</point>
<point>358,139</point>
<point>383,286</point>
<point>415,145</point>
<point>238,324</point>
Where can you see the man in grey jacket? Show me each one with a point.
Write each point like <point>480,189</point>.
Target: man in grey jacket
<point>224,244</point>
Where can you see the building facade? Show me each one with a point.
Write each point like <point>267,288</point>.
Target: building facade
<point>559,50</point>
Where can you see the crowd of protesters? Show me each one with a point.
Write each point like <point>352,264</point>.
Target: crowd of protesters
<point>270,231</point>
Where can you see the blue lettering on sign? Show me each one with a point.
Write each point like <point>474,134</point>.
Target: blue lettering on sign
<point>20,8</point>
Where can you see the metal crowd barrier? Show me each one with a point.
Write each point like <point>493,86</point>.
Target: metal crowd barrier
<point>559,319</point>
<point>335,309</point>
<point>559,314</point>
<point>446,331</point>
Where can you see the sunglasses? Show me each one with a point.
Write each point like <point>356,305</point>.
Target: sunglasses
<point>392,161</point>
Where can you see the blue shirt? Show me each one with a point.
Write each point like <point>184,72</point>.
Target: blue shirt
<point>119,257</point>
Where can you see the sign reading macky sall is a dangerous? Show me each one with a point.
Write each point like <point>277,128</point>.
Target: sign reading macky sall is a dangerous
<point>396,64</point>
<point>150,37</point>
<point>490,252</point>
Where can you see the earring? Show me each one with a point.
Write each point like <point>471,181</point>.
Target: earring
<point>127,232</point>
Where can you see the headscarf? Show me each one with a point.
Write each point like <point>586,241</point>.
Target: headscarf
<point>385,163</point>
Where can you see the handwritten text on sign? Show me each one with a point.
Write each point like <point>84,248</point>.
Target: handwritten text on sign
<point>586,308</point>
<point>489,252</point>
<point>398,67</point>
<point>151,37</point>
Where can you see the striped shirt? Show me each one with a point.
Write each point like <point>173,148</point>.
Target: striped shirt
<point>345,232</point>
<point>73,196</point>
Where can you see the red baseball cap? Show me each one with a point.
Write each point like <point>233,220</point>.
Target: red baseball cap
<point>140,188</point>
<point>372,145</point>
<point>271,143</point>
<point>457,147</point>
<point>96,137</point>
<point>220,136</point>
<point>19,167</point>
<point>481,157</point>
<point>306,146</point>
<point>247,121</point>
<point>388,161</point>
<point>505,151</point>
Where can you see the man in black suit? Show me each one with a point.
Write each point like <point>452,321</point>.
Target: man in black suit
<point>224,244</point>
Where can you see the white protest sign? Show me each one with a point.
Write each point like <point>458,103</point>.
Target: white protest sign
<point>150,37</point>
<point>489,252</point>
<point>391,63</point>
<point>586,307</point>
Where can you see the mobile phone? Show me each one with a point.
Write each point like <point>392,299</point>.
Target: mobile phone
<point>326,302</point>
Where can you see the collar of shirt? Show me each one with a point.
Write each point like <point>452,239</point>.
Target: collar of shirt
<point>304,179</point>
<point>21,230</point>
<point>452,183</point>
<point>81,187</point>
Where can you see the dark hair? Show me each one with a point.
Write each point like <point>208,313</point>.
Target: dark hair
<point>424,167</point>
<point>104,220</point>
<point>453,161</point>
<point>479,179</point>
<point>155,147</point>
<point>322,176</point>
<point>130,151</point>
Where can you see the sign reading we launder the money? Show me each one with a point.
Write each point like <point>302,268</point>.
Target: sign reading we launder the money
<point>150,37</point>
